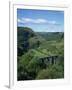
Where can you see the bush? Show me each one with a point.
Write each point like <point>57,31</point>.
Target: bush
<point>56,71</point>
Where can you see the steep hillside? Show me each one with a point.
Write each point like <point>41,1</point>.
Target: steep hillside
<point>27,39</point>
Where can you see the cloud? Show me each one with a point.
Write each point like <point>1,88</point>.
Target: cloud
<point>52,22</point>
<point>19,20</point>
<point>40,21</point>
<point>36,21</point>
<point>26,20</point>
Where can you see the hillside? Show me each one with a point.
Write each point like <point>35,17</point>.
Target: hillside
<point>34,51</point>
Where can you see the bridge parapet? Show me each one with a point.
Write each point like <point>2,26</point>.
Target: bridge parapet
<point>50,59</point>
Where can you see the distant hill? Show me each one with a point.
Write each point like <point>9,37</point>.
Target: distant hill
<point>27,39</point>
<point>51,35</point>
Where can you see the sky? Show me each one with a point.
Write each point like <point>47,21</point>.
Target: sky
<point>41,20</point>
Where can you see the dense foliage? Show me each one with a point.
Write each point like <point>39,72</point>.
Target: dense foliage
<point>35,50</point>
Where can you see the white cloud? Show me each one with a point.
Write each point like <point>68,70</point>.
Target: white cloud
<point>40,21</point>
<point>18,20</point>
<point>52,22</point>
<point>27,20</point>
<point>36,21</point>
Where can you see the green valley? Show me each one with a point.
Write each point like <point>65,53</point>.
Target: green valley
<point>40,55</point>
